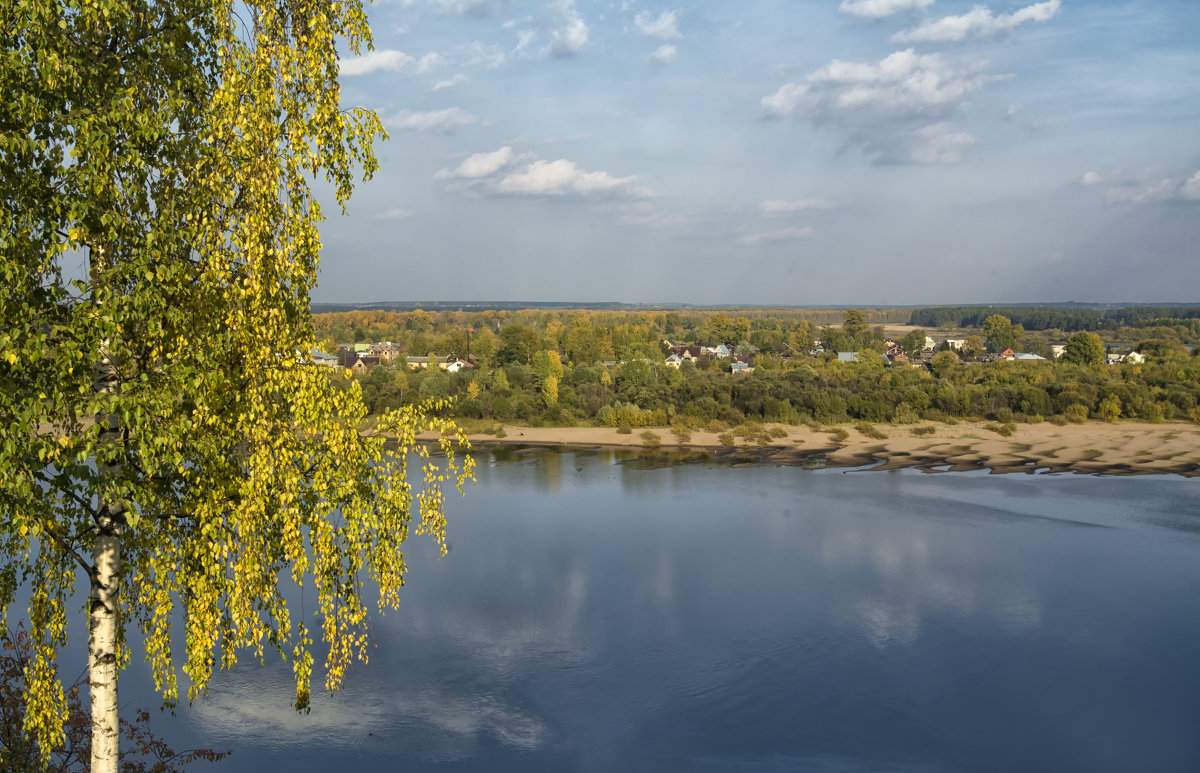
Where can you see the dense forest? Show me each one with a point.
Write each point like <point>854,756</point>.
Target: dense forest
<point>1065,318</point>
<point>572,367</point>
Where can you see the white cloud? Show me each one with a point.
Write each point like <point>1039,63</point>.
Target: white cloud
<point>896,109</point>
<point>664,54</point>
<point>525,39</point>
<point>899,84</point>
<point>1149,187</point>
<point>978,22</point>
<point>561,177</point>
<point>457,80</point>
<point>1190,189</point>
<point>430,61</point>
<point>665,26</point>
<point>446,119</point>
<point>569,34</point>
<point>788,207</point>
<point>479,165</point>
<point>877,9</point>
<point>504,172</point>
<point>783,234</point>
<point>394,214</point>
<point>375,61</point>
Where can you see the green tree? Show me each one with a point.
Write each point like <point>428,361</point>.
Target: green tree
<point>160,432</point>
<point>1001,333</point>
<point>855,326</point>
<point>1084,348</point>
<point>913,342</point>
<point>721,329</point>
<point>801,338</point>
<point>518,343</point>
<point>500,381</point>
<point>943,363</point>
<point>972,348</point>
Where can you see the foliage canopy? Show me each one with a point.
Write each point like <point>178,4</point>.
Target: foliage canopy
<point>161,428</point>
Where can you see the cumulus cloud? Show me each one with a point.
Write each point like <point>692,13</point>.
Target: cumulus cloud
<point>479,165</point>
<point>665,26</point>
<point>664,54</point>
<point>375,61</point>
<point>1149,187</point>
<point>897,110</point>
<point>560,177</point>
<point>979,22</point>
<point>394,214</point>
<point>877,9</point>
<point>447,119</point>
<point>789,207</point>
<point>569,34</point>
<point>457,80</point>
<point>780,235</point>
<point>503,172</point>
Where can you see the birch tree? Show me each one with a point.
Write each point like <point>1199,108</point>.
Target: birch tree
<point>162,436</point>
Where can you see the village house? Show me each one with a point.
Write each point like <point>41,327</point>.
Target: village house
<point>419,363</point>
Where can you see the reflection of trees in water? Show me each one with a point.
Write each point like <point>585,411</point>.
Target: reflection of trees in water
<point>547,472</point>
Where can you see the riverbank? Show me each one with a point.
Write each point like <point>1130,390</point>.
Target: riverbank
<point>1125,448</point>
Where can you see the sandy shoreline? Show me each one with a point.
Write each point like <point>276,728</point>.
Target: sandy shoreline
<point>1126,448</point>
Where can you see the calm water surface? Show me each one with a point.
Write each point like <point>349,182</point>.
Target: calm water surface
<point>597,616</point>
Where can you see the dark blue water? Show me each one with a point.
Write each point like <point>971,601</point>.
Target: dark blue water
<point>593,616</point>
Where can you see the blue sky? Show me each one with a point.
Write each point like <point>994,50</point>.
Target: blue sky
<point>827,152</point>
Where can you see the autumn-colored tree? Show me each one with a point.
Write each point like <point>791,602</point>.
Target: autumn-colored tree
<point>1084,348</point>
<point>162,433</point>
<point>547,372</point>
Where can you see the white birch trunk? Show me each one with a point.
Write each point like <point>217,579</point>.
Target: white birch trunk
<point>106,572</point>
<point>102,647</point>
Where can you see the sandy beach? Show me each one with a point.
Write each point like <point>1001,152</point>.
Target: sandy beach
<point>1125,448</point>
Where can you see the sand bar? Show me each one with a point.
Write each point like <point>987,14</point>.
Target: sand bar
<point>1124,448</point>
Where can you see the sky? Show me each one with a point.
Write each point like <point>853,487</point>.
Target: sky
<point>858,152</point>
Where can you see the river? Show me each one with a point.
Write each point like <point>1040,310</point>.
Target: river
<point>597,615</point>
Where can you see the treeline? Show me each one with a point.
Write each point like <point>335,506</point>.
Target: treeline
<point>1068,319</point>
<point>447,332</point>
<point>645,393</point>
